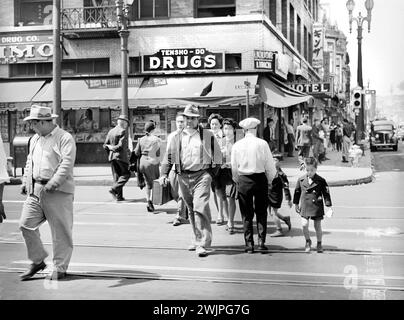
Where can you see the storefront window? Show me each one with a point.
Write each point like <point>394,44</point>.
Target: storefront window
<point>23,128</point>
<point>34,12</point>
<point>141,116</point>
<point>4,126</point>
<point>84,124</point>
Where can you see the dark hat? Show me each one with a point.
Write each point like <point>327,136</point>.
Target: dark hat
<point>123,117</point>
<point>191,111</point>
<point>149,126</point>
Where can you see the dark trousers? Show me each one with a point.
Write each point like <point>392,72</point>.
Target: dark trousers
<point>253,197</point>
<point>339,143</point>
<point>121,175</point>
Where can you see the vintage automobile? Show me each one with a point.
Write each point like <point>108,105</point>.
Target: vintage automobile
<point>382,135</point>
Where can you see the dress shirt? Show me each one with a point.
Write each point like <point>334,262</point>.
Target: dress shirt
<point>43,157</point>
<point>191,151</point>
<point>252,155</point>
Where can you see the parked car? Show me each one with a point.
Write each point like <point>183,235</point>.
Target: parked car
<point>382,135</point>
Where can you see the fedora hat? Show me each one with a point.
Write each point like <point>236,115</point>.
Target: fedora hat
<point>40,113</point>
<point>123,117</point>
<point>191,111</point>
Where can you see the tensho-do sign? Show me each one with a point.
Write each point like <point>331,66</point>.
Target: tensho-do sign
<point>175,60</point>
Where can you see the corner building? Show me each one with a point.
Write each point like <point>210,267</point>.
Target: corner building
<point>233,57</point>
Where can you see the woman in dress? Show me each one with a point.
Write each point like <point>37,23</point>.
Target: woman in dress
<point>215,122</point>
<point>3,177</point>
<point>148,149</point>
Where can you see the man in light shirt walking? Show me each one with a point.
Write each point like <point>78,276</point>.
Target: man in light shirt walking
<point>197,157</point>
<point>253,169</point>
<point>49,186</point>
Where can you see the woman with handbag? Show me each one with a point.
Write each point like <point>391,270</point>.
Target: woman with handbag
<point>148,152</point>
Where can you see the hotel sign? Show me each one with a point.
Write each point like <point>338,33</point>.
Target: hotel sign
<point>264,60</point>
<point>311,88</point>
<point>174,60</point>
<point>25,48</point>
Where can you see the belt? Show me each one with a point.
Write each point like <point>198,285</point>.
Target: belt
<point>192,172</point>
<point>43,182</point>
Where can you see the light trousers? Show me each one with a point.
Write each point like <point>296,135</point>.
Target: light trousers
<point>195,190</point>
<point>57,208</point>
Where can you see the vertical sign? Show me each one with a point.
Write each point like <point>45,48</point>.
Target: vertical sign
<point>318,45</point>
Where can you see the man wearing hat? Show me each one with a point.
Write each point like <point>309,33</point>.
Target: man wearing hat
<point>253,169</point>
<point>116,144</point>
<point>196,155</point>
<point>49,185</point>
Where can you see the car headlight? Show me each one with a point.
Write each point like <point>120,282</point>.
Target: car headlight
<point>377,136</point>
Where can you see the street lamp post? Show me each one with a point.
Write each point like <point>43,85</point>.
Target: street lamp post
<point>56,67</point>
<point>122,14</point>
<point>360,20</point>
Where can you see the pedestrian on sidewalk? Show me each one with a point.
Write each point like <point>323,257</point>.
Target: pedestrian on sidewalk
<point>338,137</point>
<point>346,140</point>
<point>280,185</point>
<point>225,173</point>
<point>196,155</point>
<point>49,186</point>
<point>148,151</point>
<point>311,193</point>
<point>182,210</point>
<point>215,121</point>
<point>333,135</point>
<point>318,141</point>
<point>3,177</point>
<point>116,144</point>
<point>304,141</point>
<point>270,135</point>
<point>253,170</point>
<point>290,138</point>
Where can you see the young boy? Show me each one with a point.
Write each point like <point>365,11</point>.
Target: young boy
<point>311,193</point>
<point>280,184</point>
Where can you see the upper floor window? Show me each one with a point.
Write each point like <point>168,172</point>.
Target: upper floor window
<point>215,8</point>
<point>33,12</point>
<point>150,9</point>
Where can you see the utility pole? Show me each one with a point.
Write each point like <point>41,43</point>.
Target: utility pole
<point>56,65</point>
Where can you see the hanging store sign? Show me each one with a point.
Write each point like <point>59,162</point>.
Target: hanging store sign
<point>264,59</point>
<point>313,88</point>
<point>25,48</point>
<point>318,45</point>
<point>174,60</point>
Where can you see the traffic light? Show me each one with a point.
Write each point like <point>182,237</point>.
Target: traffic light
<point>357,99</point>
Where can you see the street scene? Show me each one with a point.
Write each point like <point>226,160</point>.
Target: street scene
<point>200,150</point>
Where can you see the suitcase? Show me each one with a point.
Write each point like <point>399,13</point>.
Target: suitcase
<point>161,194</point>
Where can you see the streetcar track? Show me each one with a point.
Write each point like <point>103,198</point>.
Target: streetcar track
<point>225,249</point>
<point>214,279</point>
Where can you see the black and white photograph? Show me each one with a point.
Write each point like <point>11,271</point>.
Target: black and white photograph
<point>201,155</point>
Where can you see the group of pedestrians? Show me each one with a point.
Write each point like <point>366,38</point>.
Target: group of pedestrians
<point>197,160</point>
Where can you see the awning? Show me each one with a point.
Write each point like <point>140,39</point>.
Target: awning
<point>89,92</point>
<point>278,95</point>
<point>200,90</point>
<point>19,91</point>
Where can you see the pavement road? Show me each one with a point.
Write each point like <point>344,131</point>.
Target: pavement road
<point>124,252</point>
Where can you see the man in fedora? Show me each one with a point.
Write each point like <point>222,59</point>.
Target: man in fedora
<point>253,170</point>
<point>196,155</point>
<point>49,186</point>
<point>116,144</point>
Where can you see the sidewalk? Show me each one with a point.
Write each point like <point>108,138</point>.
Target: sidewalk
<point>334,171</point>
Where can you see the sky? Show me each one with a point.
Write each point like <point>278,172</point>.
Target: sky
<point>382,48</point>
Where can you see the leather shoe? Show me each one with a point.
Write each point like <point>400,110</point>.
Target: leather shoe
<point>56,275</point>
<point>113,193</point>
<point>263,248</point>
<point>249,249</point>
<point>32,270</point>
<point>201,252</point>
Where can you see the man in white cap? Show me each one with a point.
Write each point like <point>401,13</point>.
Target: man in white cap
<point>196,155</point>
<point>49,185</point>
<point>253,169</point>
<point>116,144</point>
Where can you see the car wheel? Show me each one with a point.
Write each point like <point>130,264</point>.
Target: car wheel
<point>395,148</point>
